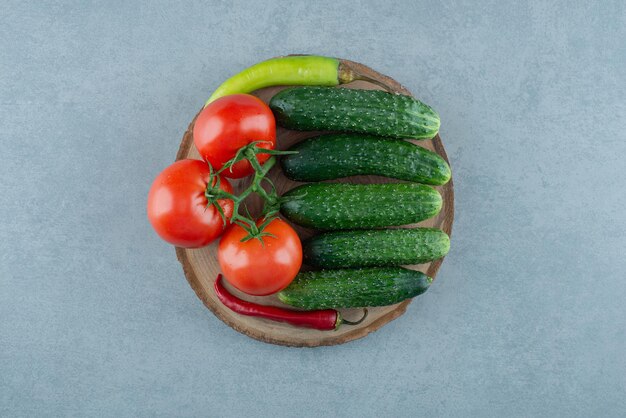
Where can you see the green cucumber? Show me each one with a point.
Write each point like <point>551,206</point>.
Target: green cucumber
<point>359,206</point>
<point>354,288</point>
<point>365,111</point>
<point>378,247</point>
<point>333,156</point>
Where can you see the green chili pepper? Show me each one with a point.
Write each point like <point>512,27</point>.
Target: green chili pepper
<point>310,70</point>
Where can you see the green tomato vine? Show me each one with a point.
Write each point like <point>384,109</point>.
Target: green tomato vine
<point>271,200</point>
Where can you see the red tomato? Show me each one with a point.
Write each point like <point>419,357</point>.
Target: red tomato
<point>260,269</point>
<point>228,124</point>
<point>177,206</point>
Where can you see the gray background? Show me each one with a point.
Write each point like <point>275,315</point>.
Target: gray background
<point>526,318</point>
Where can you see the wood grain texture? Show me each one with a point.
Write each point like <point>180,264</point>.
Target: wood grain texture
<point>201,266</point>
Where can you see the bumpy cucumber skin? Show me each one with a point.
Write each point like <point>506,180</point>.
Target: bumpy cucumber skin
<point>350,110</point>
<point>354,288</point>
<point>359,206</point>
<point>333,156</point>
<point>378,247</point>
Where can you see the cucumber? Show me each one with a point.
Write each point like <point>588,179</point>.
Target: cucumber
<point>350,110</point>
<point>354,288</point>
<point>333,156</point>
<point>359,206</point>
<point>370,248</point>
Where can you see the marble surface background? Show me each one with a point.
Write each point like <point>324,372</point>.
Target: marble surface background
<point>527,316</point>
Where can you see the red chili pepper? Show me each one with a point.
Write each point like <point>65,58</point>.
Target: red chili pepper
<point>325,320</point>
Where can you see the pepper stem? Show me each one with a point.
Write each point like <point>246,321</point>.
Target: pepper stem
<point>341,320</point>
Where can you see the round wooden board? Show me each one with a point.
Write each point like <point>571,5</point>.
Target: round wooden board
<point>201,265</point>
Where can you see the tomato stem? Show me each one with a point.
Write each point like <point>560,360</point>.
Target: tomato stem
<point>213,193</point>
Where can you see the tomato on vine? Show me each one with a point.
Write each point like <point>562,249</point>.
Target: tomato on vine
<point>262,259</point>
<point>240,123</point>
<point>191,202</point>
<point>188,204</point>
